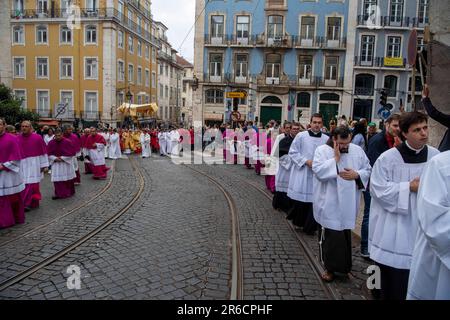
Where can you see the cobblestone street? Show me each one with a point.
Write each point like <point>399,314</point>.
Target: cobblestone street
<point>173,240</point>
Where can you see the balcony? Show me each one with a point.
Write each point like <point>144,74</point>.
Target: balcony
<point>314,42</point>
<point>334,43</point>
<point>393,21</point>
<point>44,113</point>
<point>217,40</point>
<point>274,42</point>
<point>335,83</point>
<point>319,43</point>
<point>236,40</point>
<point>363,91</point>
<point>91,115</point>
<point>378,62</point>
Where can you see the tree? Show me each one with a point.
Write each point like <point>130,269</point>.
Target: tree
<point>11,110</point>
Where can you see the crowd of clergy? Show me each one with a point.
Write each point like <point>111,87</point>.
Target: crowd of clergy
<point>317,175</point>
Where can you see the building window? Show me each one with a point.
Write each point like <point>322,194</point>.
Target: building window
<point>334,28</point>
<point>331,68</point>
<point>394,47</point>
<point>423,11</point>
<point>130,18</point>
<point>120,39</point>
<point>139,48</point>
<point>21,96</point>
<point>139,99</point>
<point>66,98</point>
<point>303,100</point>
<point>161,91</point>
<point>41,35</point>
<point>305,67</point>
<point>420,44</point>
<point>90,68</point>
<point>138,22</point>
<point>153,55</point>
<point>91,104</point>
<point>91,5</point>
<point>42,6</point>
<point>120,10</point>
<point>390,83</point>
<point>161,69</point>
<point>214,96</point>
<point>18,35</point>
<point>65,35</point>
<point>308,28</point>
<point>166,89</point>
<point>273,65</point>
<point>153,80</point>
<point>364,84</point>
<point>130,44</point>
<point>216,26</point>
<point>65,68</point>
<point>275,27</point>
<point>121,70</point>
<point>215,65</point>
<point>167,70</point>
<point>43,102</point>
<point>241,66</point>
<point>242,27</point>
<point>130,73</point>
<point>42,67</point>
<point>19,67</point>
<point>147,52</point>
<point>147,78</point>
<point>396,11</point>
<point>367,49</point>
<point>91,35</point>
<point>139,75</point>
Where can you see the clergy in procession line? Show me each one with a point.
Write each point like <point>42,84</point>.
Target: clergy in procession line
<point>128,143</point>
<point>145,140</point>
<point>341,171</point>
<point>11,181</point>
<point>300,190</point>
<point>114,148</point>
<point>429,278</point>
<point>162,143</point>
<point>61,152</point>
<point>175,142</point>
<point>85,151</point>
<point>394,183</point>
<point>95,143</point>
<point>280,199</point>
<point>76,142</point>
<point>105,134</point>
<point>34,162</point>
<point>154,140</point>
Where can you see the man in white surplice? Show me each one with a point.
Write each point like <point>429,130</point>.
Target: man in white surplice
<point>430,268</point>
<point>300,189</point>
<point>114,148</point>
<point>342,171</point>
<point>174,137</point>
<point>145,143</point>
<point>393,211</point>
<point>107,137</point>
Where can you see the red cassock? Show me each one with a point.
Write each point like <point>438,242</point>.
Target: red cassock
<point>154,143</point>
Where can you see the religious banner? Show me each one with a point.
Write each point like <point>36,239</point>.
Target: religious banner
<point>393,62</point>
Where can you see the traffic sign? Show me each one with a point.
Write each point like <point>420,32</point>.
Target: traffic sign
<point>384,113</point>
<point>412,48</point>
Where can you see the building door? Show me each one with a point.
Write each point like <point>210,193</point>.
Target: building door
<point>362,108</point>
<point>270,113</point>
<point>329,112</point>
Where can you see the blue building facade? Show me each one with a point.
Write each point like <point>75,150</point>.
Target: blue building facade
<point>383,30</point>
<point>287,57</point>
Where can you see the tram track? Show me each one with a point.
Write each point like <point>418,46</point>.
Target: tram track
<point>315,265</point>
<point>70,212</point>
<point>67,249</point>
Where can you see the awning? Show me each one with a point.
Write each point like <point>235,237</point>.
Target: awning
<point>49,122</point>
<point>133,109</point>
<point>213,116</point>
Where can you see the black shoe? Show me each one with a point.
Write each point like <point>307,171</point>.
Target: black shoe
<point>55,198</point>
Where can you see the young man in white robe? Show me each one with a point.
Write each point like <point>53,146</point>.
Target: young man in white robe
<point>145,139</point>
<point>32,165</point>
<point>107,137</point>
<point>114,148</point>
<point>175,142</point>
<point>300,190</point>
<point>394,184</point>
<point>429,278</point>
<point>162,142</point>
<point>341,171</point>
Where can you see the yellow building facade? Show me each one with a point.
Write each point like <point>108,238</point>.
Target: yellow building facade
<point>80,60</point>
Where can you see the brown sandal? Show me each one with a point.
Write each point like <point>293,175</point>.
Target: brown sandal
<point>327,276</point>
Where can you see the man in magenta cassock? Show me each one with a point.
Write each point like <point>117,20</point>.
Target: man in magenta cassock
<point>96,144</point>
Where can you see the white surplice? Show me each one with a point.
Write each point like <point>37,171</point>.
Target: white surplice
<point>162,143</point>
<point>11,180</point>
<point>62,171</point>
<point>97,155</point>
<point>31,168</point>
<point>107,137</point>
<point>301,176</point>
<point>335,200</point>
<point>145,143</point>
<point>114,148</point>
<point>393,216</point>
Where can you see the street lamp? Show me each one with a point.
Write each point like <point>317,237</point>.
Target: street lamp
<point>128,96</point>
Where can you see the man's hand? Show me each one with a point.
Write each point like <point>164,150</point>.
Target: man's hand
<point>309,163</point>
<point>349,174</point>
<point>425,92</point>
<point>414,185</point>
<point>337,152</point>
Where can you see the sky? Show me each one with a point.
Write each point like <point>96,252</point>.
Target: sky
<point>179,17</point>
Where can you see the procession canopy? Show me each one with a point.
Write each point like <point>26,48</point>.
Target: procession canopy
<point>134,109</point>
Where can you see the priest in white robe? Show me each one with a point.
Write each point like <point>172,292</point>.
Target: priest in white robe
<point>300,189</point>
<point>429,278</point>
<point>114,148</point>
<point>393,212</point>
<point>341,172</point>
<point>145,139</point>
<point>175,142</point>
<point>107,137</point>
<point>61,152</point>
<point>162,142</point>
<point>32,165</point>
